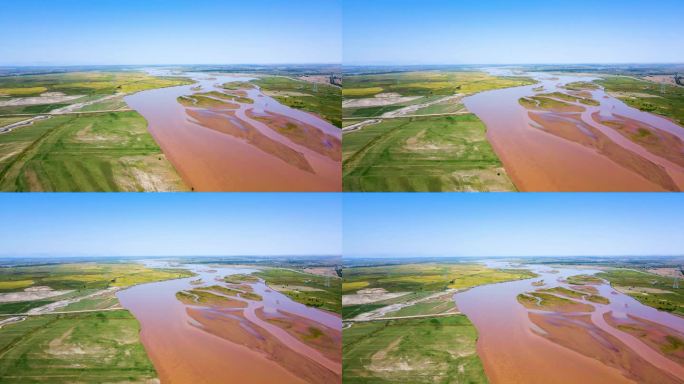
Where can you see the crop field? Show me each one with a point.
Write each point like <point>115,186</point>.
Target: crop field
<point>313,290</point>
<point>81,347</point>
<point>84,83</point>
<point>648,288</point>
<point>88,275</point>
<point>104,152</point>
<point>80,279</point>
<point>448,153</point>
<point>427,83</point>
<point>662,99</point>
<point>320,99</point>
<point>431,277</point>
<point>438,350</point>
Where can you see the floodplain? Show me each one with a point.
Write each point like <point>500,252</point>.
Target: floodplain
<point>516,321</point>
<point>409,131</point>
<point>509,128</point>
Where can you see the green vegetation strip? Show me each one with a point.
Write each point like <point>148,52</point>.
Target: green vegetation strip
<point>662,99</point>
<point>312,290</point>
<point>438,350</point>
<point>428,83</point>
<point>321,99</point>
<point>105,152</point>
<point>648,288</point>
<point>422,154</point>
<point>85,348</point>
<point>429,277</point>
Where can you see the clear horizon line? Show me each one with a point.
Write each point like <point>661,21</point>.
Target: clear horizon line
<point>512,64</point>
<point>164,64</point>
<point>500,256</point>
<point>126,256</point>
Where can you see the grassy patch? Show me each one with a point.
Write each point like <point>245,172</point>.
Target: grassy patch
<point>240,278</point>
<point>549,302</point>
<point>86,83</point>
<point>89,275</point>
<point>431,307</point>
<point>656,291</point>
<point>21,306</point>
<point>85,347</point>
<point>431,277</point>
<point>104,152</point>
<point>321,99</point>
<point>427,83</point>
<point>581,86</point>
<point>439,350</point>
<point>666,100</point>
<point>422,154</point>
<point>350,311</point>
<point>584,280</point>
<point>326,292</point>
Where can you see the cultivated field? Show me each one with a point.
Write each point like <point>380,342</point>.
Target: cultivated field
<point>74,132</point>
<point>446,153</point>
<point>402,324</point>
<point>410,131</point>
<point>68,348</point>
<point>437,350</point>
<point>63,323</point>
<point>105,152</point>
<point>24,288</point>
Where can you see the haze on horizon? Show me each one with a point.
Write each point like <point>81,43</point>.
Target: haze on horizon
<point>498,32</point>
<point>165,32</point>
<point>170,224</point>
<point>512,224</point>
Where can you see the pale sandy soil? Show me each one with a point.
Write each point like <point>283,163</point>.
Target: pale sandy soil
<point>321,79</point>
<point>371,295</point>
<point>639,290</point>
<point>661,79</point>
<point>322,271</point>
<point>667,272</point>
<point>30,295</point>
<point>45,98</point>
<point>378,100</point>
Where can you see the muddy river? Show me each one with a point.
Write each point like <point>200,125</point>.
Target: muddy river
<point>539,161</point>
<point>183,352</point>
<point>210,160</point>
<point>514,349</point>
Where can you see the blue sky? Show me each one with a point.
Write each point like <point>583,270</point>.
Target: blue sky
<point>512,32</point>
<point>513,224</point>
<point>73,32</point>
<point>170,224</point>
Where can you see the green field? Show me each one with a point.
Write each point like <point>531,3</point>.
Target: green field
<point>85,83</point>
<point>71,153</point>
<point>438,350</point>
<point>648,288</point>
<point>75,348</point>
<point>448,153</point>
<point>88,275</point>
<point>82,278</point>
<point>429,277</point>
<point>321,99</point>
<point>312,290</point>
<point>427,83</point>
<point>103,152</point>
<point>665,100</point>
